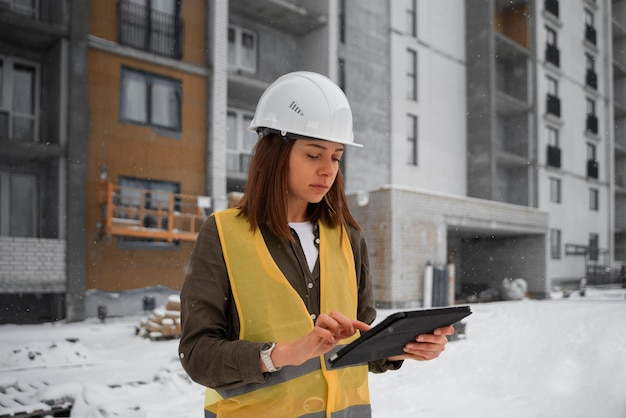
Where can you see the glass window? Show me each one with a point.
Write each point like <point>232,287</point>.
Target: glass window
<point>591,152</point>
<point>242,49</point>
<point>550,36</point>
<point>555,190</point>
<point>151,25</point>
<point>594,199</point>
<point>591,106</point>
<point>150,100</point>
<point>18,100</point>
<point>594,246</point>
<point>553,136</point>
<point>411,136</point>
<point>555,244</point>
<point>411,75</point>
<point>553,86</point>
<point>240,141</point>
<point>19,204</point>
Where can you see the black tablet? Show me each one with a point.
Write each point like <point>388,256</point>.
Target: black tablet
<point>389,336</point>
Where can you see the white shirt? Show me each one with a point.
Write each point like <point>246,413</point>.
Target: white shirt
<point>307,241</point>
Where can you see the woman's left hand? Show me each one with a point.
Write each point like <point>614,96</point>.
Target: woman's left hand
<point>426,346</point>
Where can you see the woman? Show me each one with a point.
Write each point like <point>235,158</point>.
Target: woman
<point>278,282</point>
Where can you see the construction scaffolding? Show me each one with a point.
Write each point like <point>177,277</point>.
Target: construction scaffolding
<point>151,214</point>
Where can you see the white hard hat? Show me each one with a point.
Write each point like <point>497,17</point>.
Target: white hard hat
<point>306,104</point>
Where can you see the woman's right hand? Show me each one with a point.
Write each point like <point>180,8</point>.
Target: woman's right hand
<point>328,331</point>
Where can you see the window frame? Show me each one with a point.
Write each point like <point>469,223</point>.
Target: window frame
<point>7,89</point>
<point>148,79</point>
<point>238,49</point>
<point>555,244</point>
<point>241,151</point>
<point>412,124</point>
<point>556,189</point>
<point>411,75</point>
<point>594,199</point>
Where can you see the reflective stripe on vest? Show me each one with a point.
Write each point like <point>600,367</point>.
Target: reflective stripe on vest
<point>271,310</point>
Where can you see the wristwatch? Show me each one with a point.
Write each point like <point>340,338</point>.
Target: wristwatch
<point>266,357</point>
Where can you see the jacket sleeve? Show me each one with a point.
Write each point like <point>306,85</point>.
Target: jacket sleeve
<point>208,351</point>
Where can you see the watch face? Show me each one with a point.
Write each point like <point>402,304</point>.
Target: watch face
<point>266,346</point>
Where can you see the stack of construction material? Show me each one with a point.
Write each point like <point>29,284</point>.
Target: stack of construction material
<point>163,323</point>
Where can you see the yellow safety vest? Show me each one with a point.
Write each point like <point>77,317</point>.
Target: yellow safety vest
<point>271,310</point>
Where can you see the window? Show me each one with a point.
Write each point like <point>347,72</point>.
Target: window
<point>555,244</point>
<point>19,95</point>
<point>590,31</point>
<point>151,199</point>
<point>591,152</point>
<point>554,152</point>
<point>552,50</point>
<point>591,77</point>
<point>411,136</point>
<point>594,199</point>
<point>555,190</point>
<point>240,141</point>
<point>149,99</point>
<point>553,136</point>
<point>242,49</point>
<point>553,103</point>
<point>152,25</point>
<point>592,119</point>
<point>411,75</point>
<point>552,6</point>
<point>594,246</point>
<point>19,204</point>
<point>411,18</point>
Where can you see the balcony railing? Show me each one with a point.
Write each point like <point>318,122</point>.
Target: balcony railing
<point>591,79</point>
<point>590,34</point>
<point>554,156</point>
<point>553,55</point>
<point>554,105</point>
<point>592,169</point>
<point>150,30</point>
<point>592,124</point>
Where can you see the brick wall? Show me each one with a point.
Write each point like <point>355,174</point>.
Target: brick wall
<point>32,265</point>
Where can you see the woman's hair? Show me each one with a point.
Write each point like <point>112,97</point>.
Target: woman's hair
<point>265,200</point>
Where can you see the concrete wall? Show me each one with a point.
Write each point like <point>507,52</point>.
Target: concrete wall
<point>407,228</point>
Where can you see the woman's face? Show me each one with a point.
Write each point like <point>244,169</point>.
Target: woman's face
<point>313,167</point>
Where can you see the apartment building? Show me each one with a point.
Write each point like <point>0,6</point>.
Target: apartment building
<point>44,127</point>
<point>493,137</point>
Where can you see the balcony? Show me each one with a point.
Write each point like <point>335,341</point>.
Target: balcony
<point>592,124</point>
<point>150,30</point>
<point>592,169</point>
<point>553,55</point>
<point>552,7</point>
<point>591,79</point>
<point>553,105</point>
<point>37,28</point>
<point>590,34</point>
<point>293,16</point>
<point>554,156</point>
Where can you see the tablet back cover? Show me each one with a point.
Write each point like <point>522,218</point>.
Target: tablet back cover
<point>389,336</point>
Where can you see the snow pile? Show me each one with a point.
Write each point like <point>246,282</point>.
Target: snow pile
<point>553,358</point>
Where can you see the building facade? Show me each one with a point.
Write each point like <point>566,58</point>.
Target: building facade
<point>493,133</point>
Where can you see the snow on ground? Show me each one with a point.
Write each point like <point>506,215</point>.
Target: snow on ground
<point>551,358</point>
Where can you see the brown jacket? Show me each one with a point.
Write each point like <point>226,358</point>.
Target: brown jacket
<point>209,349</point>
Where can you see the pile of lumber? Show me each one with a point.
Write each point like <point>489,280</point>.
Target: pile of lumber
<point>163,323</point>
